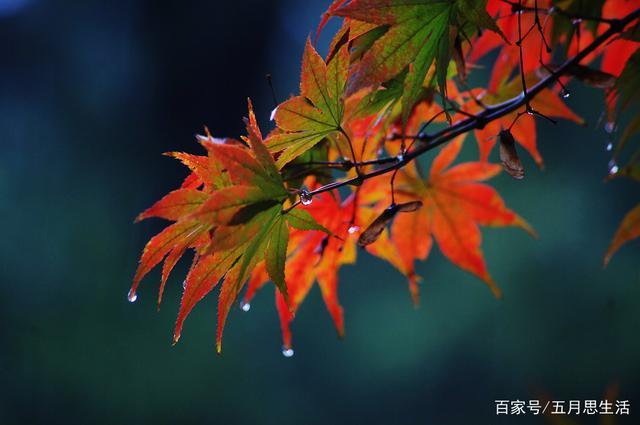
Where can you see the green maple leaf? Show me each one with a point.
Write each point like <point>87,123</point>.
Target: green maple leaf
<point>307,119</point>
<point>233,223</point>
<point>269,242</point>
<point>419,33</point>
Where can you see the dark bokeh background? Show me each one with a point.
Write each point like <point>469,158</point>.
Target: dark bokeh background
<point>91,94</point>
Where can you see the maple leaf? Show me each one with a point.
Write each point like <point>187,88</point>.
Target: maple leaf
<point>175,205</point>
<point>420,32</point>
<point>173,239</point>
<point>508,58</point>
<point>616,55</point>
<point>270,241</point>
<point>629,229</point>
<point>335,5</point>
<point>455,203</point>
<point>234,223</point>
<point>307,119</point>
<point>321,244</point>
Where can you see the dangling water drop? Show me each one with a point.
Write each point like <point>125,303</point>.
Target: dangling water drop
<point>273,114</point>
<point>132,296</point>
<point>609,147</point>
<point>353,229</point>
<point>400,157</point>
<point>287,351</point>
<point>609,127</point>
<point>613,167</point>
<point>305,197</point>
<point>245,306</point>
<point>565,93</point>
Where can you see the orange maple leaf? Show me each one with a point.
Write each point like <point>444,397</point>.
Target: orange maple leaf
<point>314,256</point>
<point>455,203</point>
<point>629,229</point>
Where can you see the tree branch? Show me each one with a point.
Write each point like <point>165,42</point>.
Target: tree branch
<point>516,7</point>
<point>490,114</point>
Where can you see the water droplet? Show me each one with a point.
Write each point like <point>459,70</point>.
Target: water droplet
<point>305,197</point>
<point>613,167</point>
<point>565,93</point>
<point>347,164</point>
<point>245,306</point>
<point>609,147</point>
<point>184,284</point>
<point>353,229</point>
<point>273,114</point>
<point>400,157</point>
<point>132,296</point>
<point>609,127</point>
<point>287,351</point>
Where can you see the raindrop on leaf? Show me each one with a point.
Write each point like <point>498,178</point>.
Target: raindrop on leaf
<point>353,229</point>
<point>132,296</point>
<point>305,197</point>
<point>287,351</point>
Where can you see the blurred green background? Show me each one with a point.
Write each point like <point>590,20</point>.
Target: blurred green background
<point>91,94</point>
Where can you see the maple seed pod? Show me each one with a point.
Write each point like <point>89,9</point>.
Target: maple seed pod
<point>593,77</point>
<point>458,57</point>
<point>509,155</point>
<point>373,232</point>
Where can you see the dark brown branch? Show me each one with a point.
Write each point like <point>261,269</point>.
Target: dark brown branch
<point>345,165</point>
<point>519,44</point>
<point>490,114</point>
<point>516,7</point>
